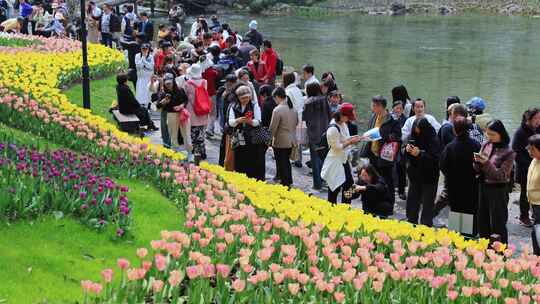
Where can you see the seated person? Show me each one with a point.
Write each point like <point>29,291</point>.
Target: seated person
<point>13,25</point>
<point>127,104</point>
<point>373,191</point>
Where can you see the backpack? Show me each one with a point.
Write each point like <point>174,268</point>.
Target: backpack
<point>323,147</point>
<point>279,67</point>
<point>202,103</point>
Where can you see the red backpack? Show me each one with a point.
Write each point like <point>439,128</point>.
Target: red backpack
<point>202,103</point>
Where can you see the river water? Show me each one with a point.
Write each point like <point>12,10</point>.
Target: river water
<point>497,58</point>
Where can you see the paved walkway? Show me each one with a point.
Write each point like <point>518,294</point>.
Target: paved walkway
<point>518,234</point>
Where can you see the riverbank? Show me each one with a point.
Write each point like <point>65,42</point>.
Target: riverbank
<point>393,8</point>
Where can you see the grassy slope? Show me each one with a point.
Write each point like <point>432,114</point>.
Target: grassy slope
<point>102,94</point>
<point>46,259</point>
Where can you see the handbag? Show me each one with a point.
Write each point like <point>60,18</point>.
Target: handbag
<point>389,151</point>
<point>461,222</point>
<point>237,139</point>
<point>301,134</point>
<point>260,135</point>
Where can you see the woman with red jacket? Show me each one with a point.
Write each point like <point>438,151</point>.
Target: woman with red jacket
<point>270,58</point>
<point>256,67</point>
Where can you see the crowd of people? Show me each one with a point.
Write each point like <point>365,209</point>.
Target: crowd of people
<point>48,18</point>
<point>209,82</point>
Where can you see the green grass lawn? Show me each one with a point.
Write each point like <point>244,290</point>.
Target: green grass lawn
<point>102,94</point>
<point>43,261</point>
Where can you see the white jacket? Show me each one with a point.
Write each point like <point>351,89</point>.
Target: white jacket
<point>332,171</point>
<point>297,98</point>
<point>407,127</point>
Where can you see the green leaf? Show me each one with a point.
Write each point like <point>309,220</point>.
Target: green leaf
<point>58,215</point>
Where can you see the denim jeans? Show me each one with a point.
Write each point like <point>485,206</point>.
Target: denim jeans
<point>164,131</point>
<point>316,166</point>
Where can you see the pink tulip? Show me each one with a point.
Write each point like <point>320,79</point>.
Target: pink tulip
<point>123,264</point>
<point>510,301</point>
<point>142,252</point>
<point>161,262</point>
<point>452,295</point>
<point>175,277</point>
<point>223,270</point>
<point>193,272</point>
<point>339,296</point>
<point>377,285</point>
<point>107,275</point>
<point>157,286</point>
<point>239,285</point>
<point>278,277</point>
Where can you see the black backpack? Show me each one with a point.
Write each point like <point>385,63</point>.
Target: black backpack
<point>279,67</point>
<point>323,147</point>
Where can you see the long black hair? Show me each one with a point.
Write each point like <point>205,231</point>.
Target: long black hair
<point>497,126</point>
<point>280,92</point>
<point>400,93</point>
<point>528,115</point>
<point>427,132</point>
<point>313,89</point>
<point>372,172</point>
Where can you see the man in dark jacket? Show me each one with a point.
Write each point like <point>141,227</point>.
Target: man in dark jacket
<point>128,105</point>
<point>253,36</point>
<point>146,27</point>
<point>457,166</point>
<point>390,133</point>
<point>529,127</point>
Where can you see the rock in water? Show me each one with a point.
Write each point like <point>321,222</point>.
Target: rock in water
<point>398,9</point>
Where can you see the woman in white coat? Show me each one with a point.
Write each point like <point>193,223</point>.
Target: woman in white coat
<point>144,62</point>
<point>336,169</point>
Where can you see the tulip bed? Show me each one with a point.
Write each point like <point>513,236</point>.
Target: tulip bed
<point>248,242</point>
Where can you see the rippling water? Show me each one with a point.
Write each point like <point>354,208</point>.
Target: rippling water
<point>497,58</point>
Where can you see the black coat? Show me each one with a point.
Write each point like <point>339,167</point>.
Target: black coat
<point>519,145</point>
<point>390,131</point>
<point>376,198</point>
<point>268,107</point>
<point>424,168</point>
<point>254,38</point>
<point>148,31</point>
<point>457,166</point>
<point>178,97</point>
<point>127,104</point>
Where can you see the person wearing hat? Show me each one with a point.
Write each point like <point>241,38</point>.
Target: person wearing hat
<point>144,62</point>
<point>477,106</point>
<point>253,36</point>
<point>198,122</point>
<point>336,169</point>
<point>172,101</point>
<point>245,114</point>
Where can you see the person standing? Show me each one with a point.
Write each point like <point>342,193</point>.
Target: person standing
<point>243,116</point>
<point>494,164</point>
<point>400,93</point>
<point>253,36</point>
<point>423,152</point>
<point>533,189</point>
<point>93,14</point>
<point>298,100</point>
<point>308,74</point>
<point>146,27</point>
<point>173,101</point>
<point>270,59</point>
<point>529,126</point>
<point>336,169</point>
<point>419,108</point>
<point>401,164</point>
<point>283,129</point>
<point>382,153</point>
<point>144,62</point>
<point>198,121</point>
<point>316,114</point>
<point>106,25</point>
<point>256,67</point>
<point>457,166</point>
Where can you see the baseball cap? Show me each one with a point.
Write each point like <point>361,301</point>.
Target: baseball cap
<point>347,109</point>
<point>476,103</point>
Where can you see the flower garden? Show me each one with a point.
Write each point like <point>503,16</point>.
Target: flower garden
<point>171,232</point>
